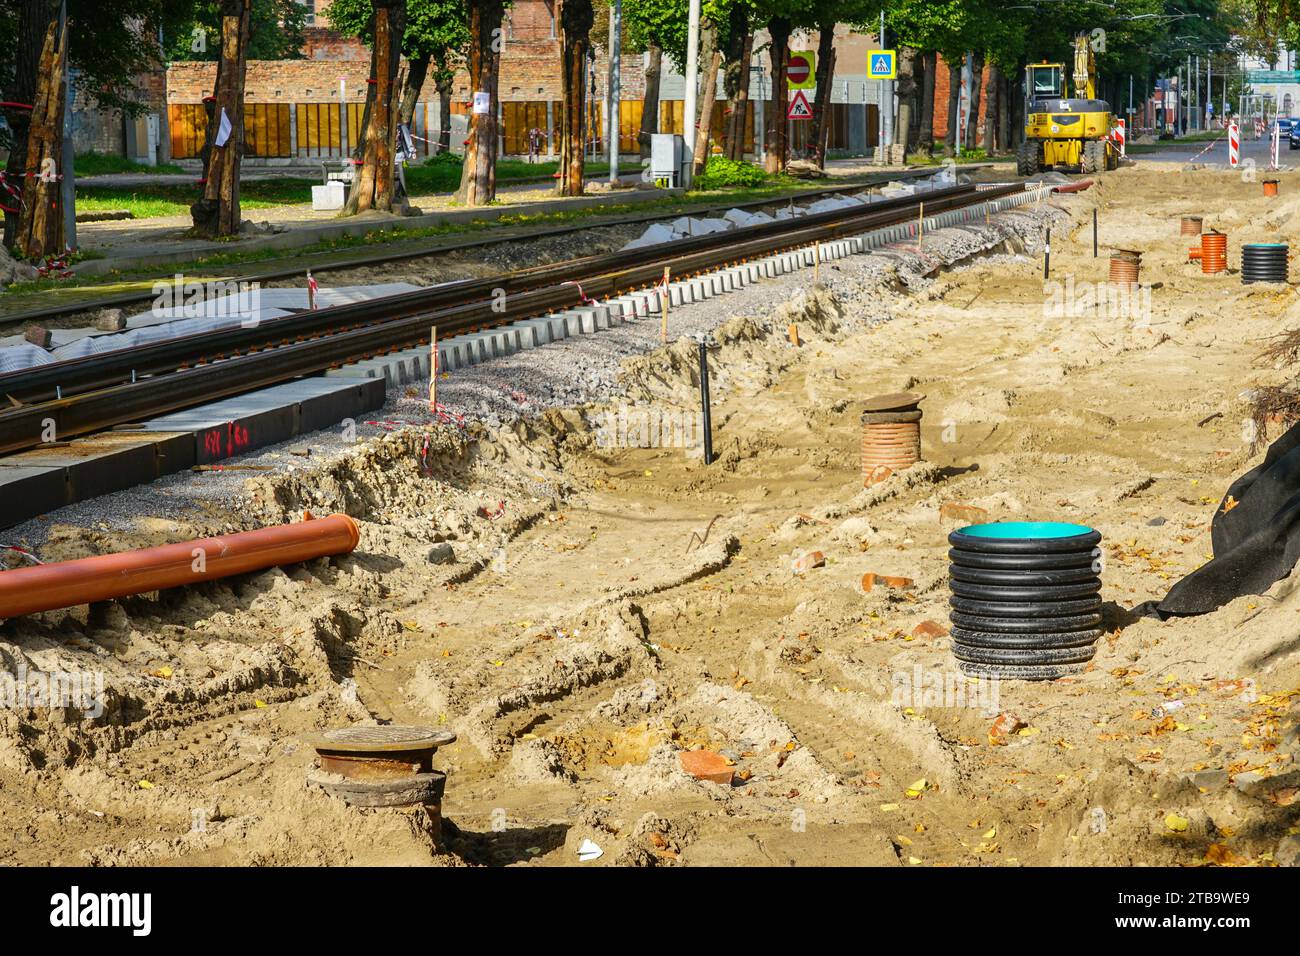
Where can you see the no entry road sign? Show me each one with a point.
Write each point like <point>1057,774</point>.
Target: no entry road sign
<point>801,70</point>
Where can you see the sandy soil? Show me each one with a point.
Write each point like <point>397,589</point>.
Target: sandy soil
<point>626,604</point>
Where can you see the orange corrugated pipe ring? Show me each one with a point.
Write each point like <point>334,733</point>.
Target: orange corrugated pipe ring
<point>1124,267</point>
<point>1270,187</point>
<point>891,435</point>
<point>1214,252</point>
<point>46,587</point>
<point>1191,225</point>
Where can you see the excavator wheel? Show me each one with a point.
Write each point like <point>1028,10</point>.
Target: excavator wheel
<point>1094,157</point>
<point>1027,158</point>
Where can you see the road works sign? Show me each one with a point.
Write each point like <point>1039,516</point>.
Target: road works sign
<point>801,70</point>
<point>799,108</point>
<point>882,65</point>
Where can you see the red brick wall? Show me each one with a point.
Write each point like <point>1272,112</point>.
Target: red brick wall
<point>272,81</point>
<point>941,92</point>
<point>326,44</point>
<point>530,66</point>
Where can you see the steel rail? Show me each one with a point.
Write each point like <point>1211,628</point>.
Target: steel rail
<point>24,427</point>
<point>74,376</point>
<point>508,235</point>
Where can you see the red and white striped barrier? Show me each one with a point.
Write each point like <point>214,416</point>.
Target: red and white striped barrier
<point>1234,145</point>
<point>1120,135</point>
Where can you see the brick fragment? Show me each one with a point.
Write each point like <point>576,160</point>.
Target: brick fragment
<point>806,562</point>
<point>707,765</point>
<point>969,514</point>
<point>871,579</point>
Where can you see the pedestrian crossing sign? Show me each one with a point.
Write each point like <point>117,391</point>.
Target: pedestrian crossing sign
<point>882,65</point>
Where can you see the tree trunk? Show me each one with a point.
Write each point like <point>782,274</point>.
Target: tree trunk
<point>478,182</point>
<point>373,186</point>
<point>576,17</point>
<point>1005,141</point>
<point>925,136</point>
<point>777,131</point>
<point>444,77</point>
<point>218,213</point>
<point>40,223</point>
<point>954,100</point>
<point>34,19</point>
<point>650,101</point>
<point>976,91</point>
<point>736,81</point>
<point>991,111</point>
<point>821,102</point>
<point>908,61</point>
<point>416,73</point>
<point>711,58</point>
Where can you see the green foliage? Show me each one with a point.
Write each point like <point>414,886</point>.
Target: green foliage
<point>111,42</point>
<point>434,28</point>
<point>722,173</point>
<point>275,31</point>
<point>665,22</point>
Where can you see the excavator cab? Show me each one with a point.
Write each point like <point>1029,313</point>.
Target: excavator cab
<point>1065,131</point>
<point>1044,81</point>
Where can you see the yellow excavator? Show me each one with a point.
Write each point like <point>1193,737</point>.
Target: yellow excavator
<point>1065,131</point>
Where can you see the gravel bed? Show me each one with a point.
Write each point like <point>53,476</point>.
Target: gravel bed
<point>577,371</point>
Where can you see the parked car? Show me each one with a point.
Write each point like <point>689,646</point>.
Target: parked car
<point>1294,136</point>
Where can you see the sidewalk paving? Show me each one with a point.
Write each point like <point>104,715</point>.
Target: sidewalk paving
<point>126,243</point>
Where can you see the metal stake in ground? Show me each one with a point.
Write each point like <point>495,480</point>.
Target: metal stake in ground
<point>1094,233</point>
<point>706,415</point>
<point>663,310</point>
<point>1047,253</point>
<point>433,370</point>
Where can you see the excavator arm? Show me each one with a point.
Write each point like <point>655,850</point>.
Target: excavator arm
<point>1085,68</point>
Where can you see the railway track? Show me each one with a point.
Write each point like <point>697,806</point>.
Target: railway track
<point>319,263</point>
<point>95,393</point>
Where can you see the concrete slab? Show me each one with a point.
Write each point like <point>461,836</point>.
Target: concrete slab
<point>238,425</point>
<point>28,490</point>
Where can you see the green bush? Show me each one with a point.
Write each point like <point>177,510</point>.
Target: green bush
<point>721,173</point>
<point>444,159</point>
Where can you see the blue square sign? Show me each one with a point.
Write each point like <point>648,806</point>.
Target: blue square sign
<point>882,65</point>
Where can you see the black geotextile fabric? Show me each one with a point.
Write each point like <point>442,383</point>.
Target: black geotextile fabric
<point>1256,542</point>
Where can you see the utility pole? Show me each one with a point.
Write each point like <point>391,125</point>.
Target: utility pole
<point>1200,111</point>
<point>692,79</point>
<point>615,86</point>
<point>886,103</point>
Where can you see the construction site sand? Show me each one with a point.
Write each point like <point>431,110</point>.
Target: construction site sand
<point>627,603</point>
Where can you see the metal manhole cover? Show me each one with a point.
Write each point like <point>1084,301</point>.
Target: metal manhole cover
<point>383,739</point>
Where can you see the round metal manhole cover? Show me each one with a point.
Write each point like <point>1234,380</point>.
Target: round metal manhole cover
<point>383,739</point>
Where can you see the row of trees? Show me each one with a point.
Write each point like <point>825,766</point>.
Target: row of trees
<point>414,42</point>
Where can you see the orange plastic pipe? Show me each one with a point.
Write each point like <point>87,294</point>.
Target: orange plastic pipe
<point>46,587</point>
